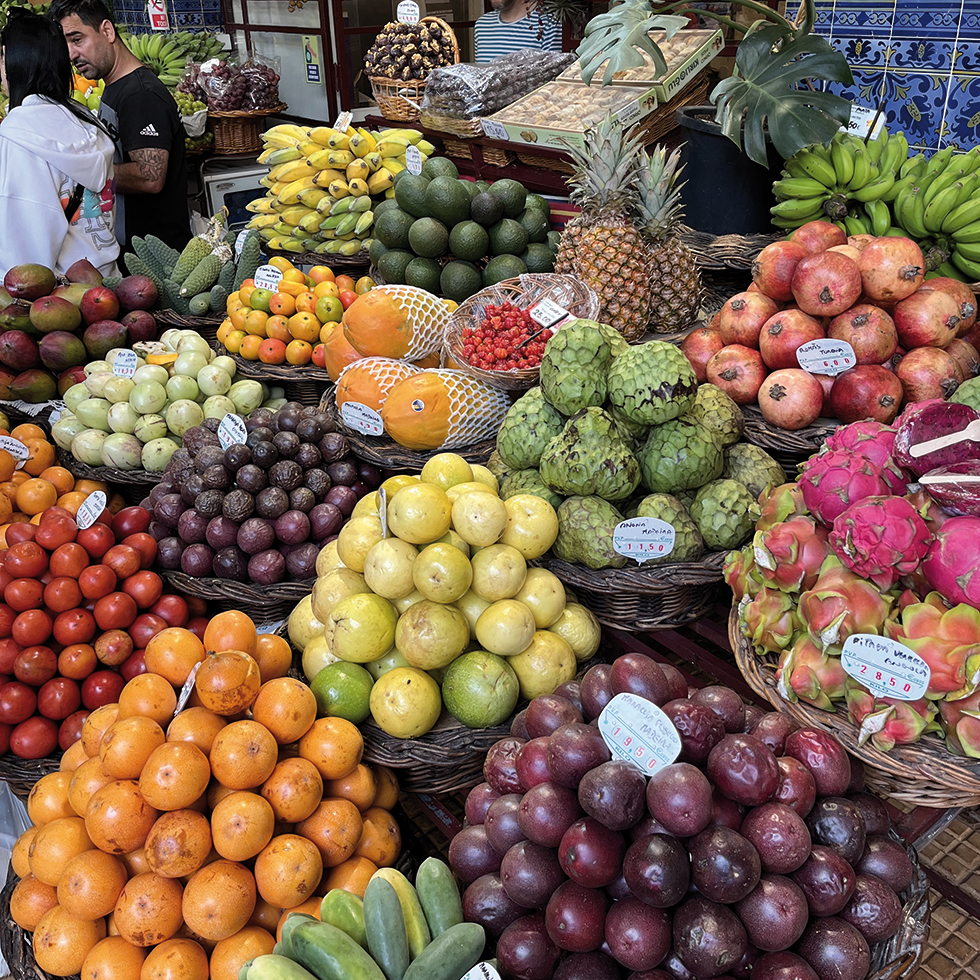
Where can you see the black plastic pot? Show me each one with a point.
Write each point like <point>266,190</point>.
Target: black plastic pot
<point>725,192</point>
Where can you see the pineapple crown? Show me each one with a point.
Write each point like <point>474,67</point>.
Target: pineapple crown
<point>606,168</point>
<point>658,206</point>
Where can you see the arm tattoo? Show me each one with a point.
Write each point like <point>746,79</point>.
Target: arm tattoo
<point>152,163</point>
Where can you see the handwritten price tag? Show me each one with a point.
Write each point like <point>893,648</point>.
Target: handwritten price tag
<point>240,243</point>
<point>885,667</point>
<point>343,120</point>
<point>639,732</point>
<point>482,971</point>
<point>413,159</point>
<point>548,313</point>
<point>495,130</point>
<point>267,277</point>
<point>231,431</point>
<point>362,418</point>
<point>124,364</point>
<point>91,507</point>
<point>16,449</point>
<point>407,12</point>
<point>643,538</point>
<point>826,356</point>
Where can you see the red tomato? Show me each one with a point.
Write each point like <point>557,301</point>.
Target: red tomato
<point>69,560</point>
<point>35,665</point>
<point>62,594</point>
<point>135,664</point>
<point>145,587</point>
<point>24,593</point>
<point>105,518</point>
<point>7,617</point>
<point>100,688</point>
<point>74,626</point>
<point>97,539</point>
<point>5,731</point>
<point>145,544</point>
<point>58,698</point>
<point>5,579</point>
<point>32,627</point>
<point>26,560</point>
<point>97,581</point>
<point>130,520</point>
<point>196,606</point>
<point>55,531</point>
<point>21,531</point>
<point>198,625</point>
<point>77,661</point>
<point>172,609</point>
<point>9,648</point>
<point>55,511</point>
<point>46,578</point>
<point>34,738</point>
<point>123,560</point>
<point>115,611</point>
<point>145,627</point>
<point>17,702</point>
<point>346,297</point>
<point>71,729</point>
<point>113,647</point>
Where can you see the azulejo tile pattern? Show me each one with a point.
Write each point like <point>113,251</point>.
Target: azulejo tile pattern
<point>918,59</point>
<point>185,15</point>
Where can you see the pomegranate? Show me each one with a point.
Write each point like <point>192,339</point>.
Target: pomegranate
<point>739,372</point>
<point>893,361</point>
<point>817,236</point>
<point>927,372</point>
<point>963,295</point>
<point>773,268</point>
<point>891,269</point>
<point>869,330</point>
<point>867,391</point>
<point>827,384</point>
<point>826,284</point>
<point>699,346</point>
<point>927,318</point>
<point>790,398</point>
<point>967,357</point>
<point>742,317</point>
<point>849,250</point>
<point>860,242</point>
<point>783,334</point>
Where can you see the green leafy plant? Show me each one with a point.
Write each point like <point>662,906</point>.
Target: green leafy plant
<point>771,89</point>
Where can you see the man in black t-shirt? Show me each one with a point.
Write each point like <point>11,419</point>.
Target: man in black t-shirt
<point>150,162</point>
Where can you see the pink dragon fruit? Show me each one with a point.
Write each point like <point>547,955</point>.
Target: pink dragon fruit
<point>832,481</point>
<point>807,673</point>
<point>789,555</point>
<point>880,538</point>
<point>948,640</point>
<point>780,504</point>
<point>741,573</point>
<point>961,722</point>
<point>888,722</point>
<point>870,439</point>
<point>927,508</point>
<point>769,620</point>
<point>841,603</point>
<point>952,564</point>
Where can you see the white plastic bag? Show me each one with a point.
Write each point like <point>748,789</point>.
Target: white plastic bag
<point>194,124</point>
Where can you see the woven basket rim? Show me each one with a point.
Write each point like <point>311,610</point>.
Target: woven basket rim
<point>221,588</point>
<point>173,318</point>
<point>926,769</point>
<point>646,579</point>
<point>725,251</point>
<point>106,473</point>
<point>807,440</point>
<point>359,261</point>
<point>248,113</point>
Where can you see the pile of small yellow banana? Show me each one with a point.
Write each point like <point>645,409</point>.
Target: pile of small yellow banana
<point>323,182</point>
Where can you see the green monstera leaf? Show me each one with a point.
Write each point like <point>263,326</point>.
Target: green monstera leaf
<point>619,37</point>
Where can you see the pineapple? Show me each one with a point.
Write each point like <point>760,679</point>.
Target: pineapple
<point>675,283</point>
<point>603,247</point>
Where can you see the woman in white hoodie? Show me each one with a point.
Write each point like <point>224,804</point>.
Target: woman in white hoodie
<point>57,203</point>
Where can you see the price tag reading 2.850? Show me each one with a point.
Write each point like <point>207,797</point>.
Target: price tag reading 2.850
<point>639,732</point>
<point>885,667</point>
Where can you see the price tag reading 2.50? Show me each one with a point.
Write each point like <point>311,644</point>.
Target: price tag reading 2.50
<point>637,731</point>
<point>885,667</point>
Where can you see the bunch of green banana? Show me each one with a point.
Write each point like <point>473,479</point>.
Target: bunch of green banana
<point>849,179</point>
<point>167,54</point>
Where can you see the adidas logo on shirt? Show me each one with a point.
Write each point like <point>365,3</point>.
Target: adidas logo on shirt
<point>149,130</point>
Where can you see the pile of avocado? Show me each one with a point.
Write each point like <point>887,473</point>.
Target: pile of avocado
<point>452,237</point>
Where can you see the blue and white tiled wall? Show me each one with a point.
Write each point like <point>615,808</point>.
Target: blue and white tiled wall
<point>920,57</point>
<point>185,15</point>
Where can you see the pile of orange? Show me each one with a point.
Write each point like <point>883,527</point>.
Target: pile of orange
<point>180,842</point>
<point>287,326</point>
<point>27,492</point>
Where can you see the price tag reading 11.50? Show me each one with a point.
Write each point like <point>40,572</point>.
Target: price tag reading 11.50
<point>643,538</point>
<point>639,732</point>
<point>826,356</point>
<point>885,667</point>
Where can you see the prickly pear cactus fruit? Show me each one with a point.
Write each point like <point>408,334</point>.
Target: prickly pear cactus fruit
<point>652,383</point>
<point>530,424</point>
<point>585,532</point>
<point>528,481</point>
<point>716,410</point>
<point>679,455</point>
<point>725,513</point>
<point>574,366</point>
<point>590,457</point>
<point>752,466</point>
<point>688,543</point>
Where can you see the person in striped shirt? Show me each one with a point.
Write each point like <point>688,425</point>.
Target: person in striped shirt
<point>514,25</point>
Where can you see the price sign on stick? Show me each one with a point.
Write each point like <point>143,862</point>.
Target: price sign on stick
<point>231,431</point>
<point>639,732</point>
<point>643,538</point>
<point>89,511</point>
<point>826,356</point>
<point>887,668</point>
<point>16,449</point>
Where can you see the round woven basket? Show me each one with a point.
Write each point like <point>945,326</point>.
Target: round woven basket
<point>17,416</point>
<point>335,260</point>
<point>788,447</point>
<point>206,326</point>
<point>724,251</point>
<point>132,485</point>
<point>264,603</point>
<point>523,292</point>
<point>21,774</point>
<point>646,597</point>
<point>925,773</point>
<point>240,131</point>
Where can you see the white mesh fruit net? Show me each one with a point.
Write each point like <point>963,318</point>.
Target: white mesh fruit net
<point>369,380</point>
<point>428,315</point>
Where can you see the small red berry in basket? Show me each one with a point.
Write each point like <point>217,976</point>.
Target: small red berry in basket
<point>507,339</point>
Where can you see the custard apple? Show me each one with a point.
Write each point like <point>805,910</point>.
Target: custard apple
<point>590,457</point>
<point>688,545</point>
<point>716,409</point>
<point>585,533</point>
<point>529,425</point>
<point>652,383</point>
<point>498,467</point>
<point>753,467</point>
<point>632,432</point>
<point>725,513</point>
<point>575,364</point>
<point>528,481</point>
<point>680,454</point>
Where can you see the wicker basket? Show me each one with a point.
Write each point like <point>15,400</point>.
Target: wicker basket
<point>643,598</point>
<point>132,485</point>
<point>305,384</point>
<point>524,291</point>
<point>790,448</point>
<point>265,603</point>
<point>724,251</point>
<point>21,774</point>
<point>922,774</point>
<point>335,261</point>
<point>402,101</point>
<point>240,131</point>
<point>18,416</point>
<point>206,326</point>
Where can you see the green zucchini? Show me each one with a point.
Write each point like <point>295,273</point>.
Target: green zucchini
<point>385,926</point>
<point>438,895</point>
<point>330,954</point>
<point>450,955</point>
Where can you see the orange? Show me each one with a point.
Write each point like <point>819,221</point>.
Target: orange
<point>250,347</point>
<point>174,776</point>
<point>273,655</point>
<point>150,695</point>
<point>42,456</point>
<point>387,783</point>
<point>321,273</point>
<point>172,653</point>
<point>255,322</point>
<point>61,942</point>
<point>287,870</point>
<point>231,630</point>
<point>381,840</point>
<point>287,707</point>
<point>238,317</point>
<point>176,959</point>
<point>30,899</point>
<point>36,495</point>
<point>219,899</point>
<point>113,959</point>
<point>241,825</point>
<point>55,844</point>
<point>62,479</point>
<point>282,304</point>
<point>91,884</point>
<point>294,789</point>
<point>20,856</point>
<point>90,486</point>
<point>243,755</point>
<point>233,342</point>
<point>335,826</point>
<point>333,745</point>
<point>86,779</point>
<point>197,725</point>
<point>117,817</point>
<point>95,727</point>
<point>48,799</point>
<point>277,328</point>
<point>148,910</point>
<point>127,744</point>
<point>8,488</point>
<point>272,352</point>
<point>228,955</point>
<point>27,430</point>
<point>71,501</point>
<point>325,288</point>
<point>352,875</point>
<point>228,682</point>
<point>299,352</point>
<point>305,302</point>
<point>73,757</point>
<point>304,326</point>
<point>178,843</point>
<point>358,786</point>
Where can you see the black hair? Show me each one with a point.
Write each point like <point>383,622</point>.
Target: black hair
<point>37,63</point>
<point>90,12</point>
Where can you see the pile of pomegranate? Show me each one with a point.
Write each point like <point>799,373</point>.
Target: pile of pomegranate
<point>912,338</point>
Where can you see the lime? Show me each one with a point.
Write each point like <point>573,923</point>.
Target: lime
<point>480,689</point>
<point>343,690</point>
<point>405,702</point>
